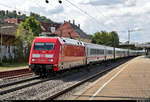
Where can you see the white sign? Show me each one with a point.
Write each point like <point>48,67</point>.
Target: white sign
<point>52,29</point>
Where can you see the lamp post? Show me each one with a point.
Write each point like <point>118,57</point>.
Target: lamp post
<point>114,46</point>
<point>4,27</point>
<point>129,32</point>
<point>128,40</point>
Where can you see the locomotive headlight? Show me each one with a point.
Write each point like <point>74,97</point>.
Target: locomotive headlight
<point>36,55</point>
<point>48,55</point>
<point>50,60</point>
<point>33,60</point>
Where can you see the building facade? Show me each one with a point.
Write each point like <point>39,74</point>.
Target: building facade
<point>46,27</point>
<point>8,29</point>
<point>7,40</point>
<point>71,30</point>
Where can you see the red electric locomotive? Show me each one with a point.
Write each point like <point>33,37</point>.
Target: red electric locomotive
<point>50,54</point>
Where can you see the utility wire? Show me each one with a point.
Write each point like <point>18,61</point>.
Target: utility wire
<point>93,18</point>
<point>79,12</point>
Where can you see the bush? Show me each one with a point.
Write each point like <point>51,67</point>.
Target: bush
<point>4,59</point>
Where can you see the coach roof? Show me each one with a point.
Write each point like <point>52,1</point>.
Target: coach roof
<point>66,40</point>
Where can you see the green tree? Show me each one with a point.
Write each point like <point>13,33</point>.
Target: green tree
<point>114,39</point>
<point>100,38</point>
<point>16,14</point>
<point>106,38</point>
<point>2,14</point>
<point>40,18</point>
<point>25,34</point>
<point>32,24</point>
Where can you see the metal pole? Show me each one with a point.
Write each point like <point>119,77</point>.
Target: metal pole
<point>114,45</point>
<point>128,40</point>
<point>129,36</point>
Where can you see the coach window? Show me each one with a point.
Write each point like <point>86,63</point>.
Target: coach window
<point>98,51</point>
<point>117,52</point>
<point>92,51</point>
<point>109,51</point>
<point>101,51</point>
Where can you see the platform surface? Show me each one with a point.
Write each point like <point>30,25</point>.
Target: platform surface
<point>129,81</point>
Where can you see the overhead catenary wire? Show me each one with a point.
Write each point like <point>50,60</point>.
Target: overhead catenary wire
<point>93,18</point>
<point>67,1</point>
<point>80,13</point>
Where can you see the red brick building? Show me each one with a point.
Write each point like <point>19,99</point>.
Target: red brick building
<point>8,35</point>
<point>46,27</point>
<point>13,20</point>
<point>49,27</point>
<point>69,29</point>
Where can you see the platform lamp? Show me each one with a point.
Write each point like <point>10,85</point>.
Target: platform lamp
<point>129,32</point>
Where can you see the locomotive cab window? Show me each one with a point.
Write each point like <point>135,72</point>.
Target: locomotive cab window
<point>44,46</point>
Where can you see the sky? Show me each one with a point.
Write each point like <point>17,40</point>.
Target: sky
<point>93,15</point>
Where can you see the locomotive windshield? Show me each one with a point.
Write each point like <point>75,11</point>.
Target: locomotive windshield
<point>44,46</point>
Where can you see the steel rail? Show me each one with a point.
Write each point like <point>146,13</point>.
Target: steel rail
<point>23,86</point>
<point>18,82</point>
<point>11,73</point>
<point>54,96</point>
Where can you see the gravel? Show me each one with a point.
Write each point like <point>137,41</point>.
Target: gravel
<point>43,90</point>
<point>6,81</point>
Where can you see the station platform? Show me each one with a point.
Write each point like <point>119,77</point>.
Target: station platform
<point>130,80</point>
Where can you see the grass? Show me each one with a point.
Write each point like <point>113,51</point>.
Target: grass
<point>13,66</point>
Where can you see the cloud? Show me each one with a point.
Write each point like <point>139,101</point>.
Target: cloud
<point>130,3</point>
<point>104,2</point>
<point>43,10</point>
<point>118,15</point>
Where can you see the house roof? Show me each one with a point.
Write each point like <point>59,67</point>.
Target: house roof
<point>8,33</point>
<point>79,31</point>
<point>46,27</point>
<point>8,29</point>
<point>69,28</point>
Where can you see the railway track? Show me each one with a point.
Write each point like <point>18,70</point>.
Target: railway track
<point>14,73</point>
<point>56,95</point>
<point>17,76</point>
<point>14,86</point>
<point>18,82</point>
<point>52,87</point>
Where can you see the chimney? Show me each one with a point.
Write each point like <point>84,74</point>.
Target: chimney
<point>73,22</point>
<point>79,25</point>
